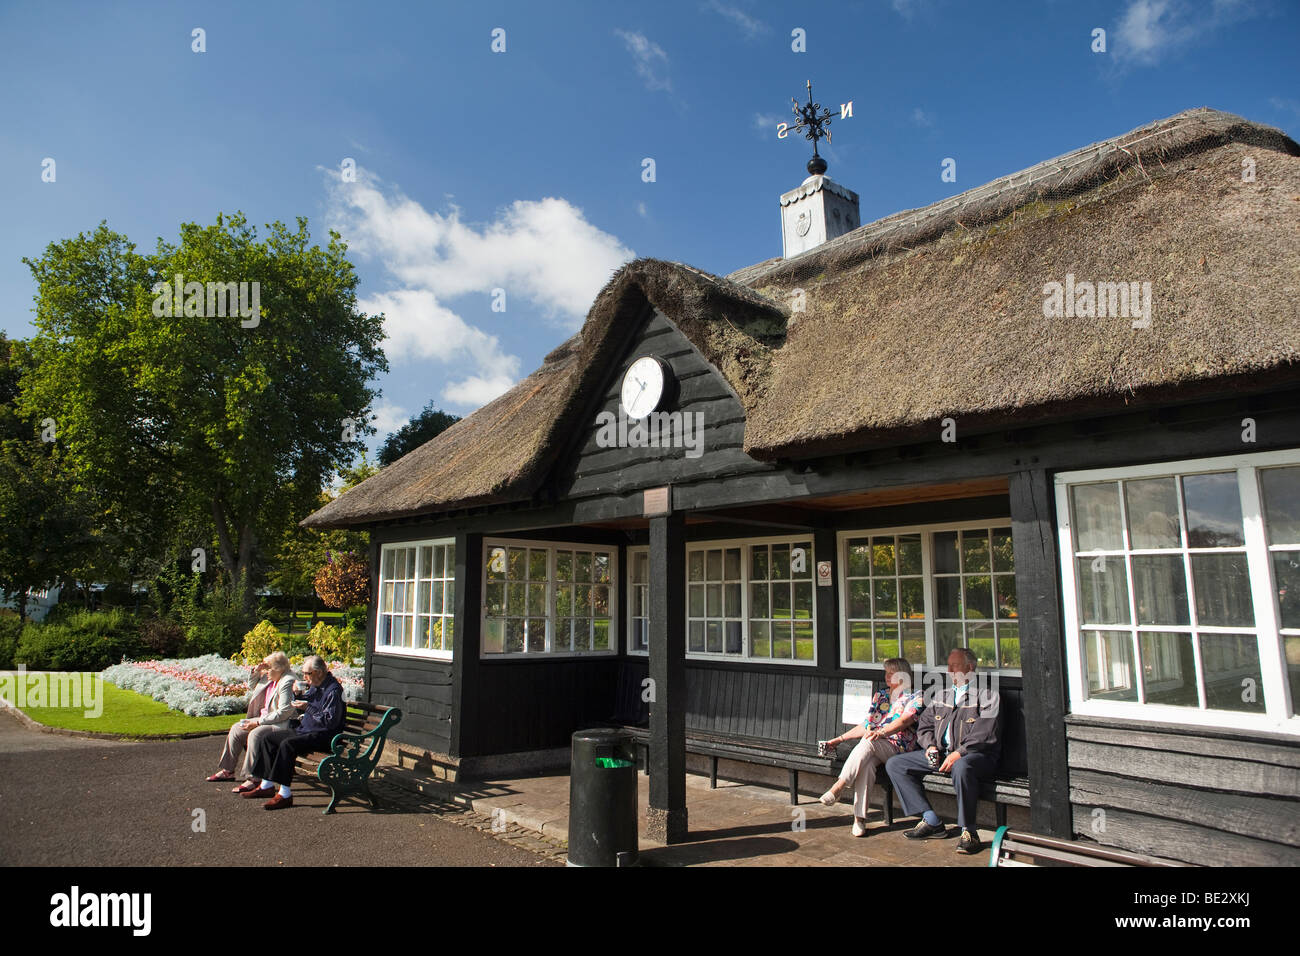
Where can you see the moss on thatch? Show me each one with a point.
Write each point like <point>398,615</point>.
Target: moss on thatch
<point>935,312</point>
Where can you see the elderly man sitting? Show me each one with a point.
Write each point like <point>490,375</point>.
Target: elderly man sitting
<point>323,714</point>
<point>958,734</point>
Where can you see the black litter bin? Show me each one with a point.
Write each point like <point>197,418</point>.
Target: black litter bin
<point>602,799</point>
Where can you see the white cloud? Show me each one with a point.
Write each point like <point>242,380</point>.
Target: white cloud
<point>1152,29</point>
<point>641,210</point>
<point>650,58</point>
<point>748,25</point>
<point>921,118</point>
<point>542,252</point>
<point>767,123</point>
<point>388,418</point>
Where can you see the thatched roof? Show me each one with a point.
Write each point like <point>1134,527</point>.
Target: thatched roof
<point>937,312</point>
<point>502,452</point>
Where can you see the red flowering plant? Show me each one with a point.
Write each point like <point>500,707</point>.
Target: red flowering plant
<point>344,580</point>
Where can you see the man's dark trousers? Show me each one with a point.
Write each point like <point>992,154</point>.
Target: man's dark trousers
<point>968,773</point>
<point>276,752</point>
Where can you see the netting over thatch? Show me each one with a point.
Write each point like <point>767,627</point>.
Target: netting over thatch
<point>937,312</point>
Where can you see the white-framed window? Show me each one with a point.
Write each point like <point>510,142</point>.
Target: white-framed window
<point>919,592</point>
<point>417,598</point>
<point>746,599</point>
<point>1181,583</point>
<point>547,598</point>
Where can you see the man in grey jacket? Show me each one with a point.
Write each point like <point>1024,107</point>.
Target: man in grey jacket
<point>957,734</point>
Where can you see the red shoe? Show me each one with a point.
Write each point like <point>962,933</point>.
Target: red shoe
<point>257,792</point>
<point>277,802</point>
<point>221,775</point>
<point>246,786</point>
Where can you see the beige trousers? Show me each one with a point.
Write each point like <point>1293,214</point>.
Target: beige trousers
<point>239,744</point>
<point>860,770</point>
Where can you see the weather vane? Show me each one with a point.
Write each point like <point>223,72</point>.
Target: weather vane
<point>812,126</point>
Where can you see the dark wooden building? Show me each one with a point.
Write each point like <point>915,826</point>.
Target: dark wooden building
<point>1055,419</point>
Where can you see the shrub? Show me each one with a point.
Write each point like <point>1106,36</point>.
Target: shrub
<point>259,642</point>
<point>160,638</point>
<point>11,628</point>
<point>344,581</point>
<point>82,641</point>
<point>214,625</point>
<point>334,644</point>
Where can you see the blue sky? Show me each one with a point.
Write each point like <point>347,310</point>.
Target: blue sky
<point>522,170</point>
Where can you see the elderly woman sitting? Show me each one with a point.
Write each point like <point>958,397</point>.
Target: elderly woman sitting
<point>272,682</point>
<point>890,728</point>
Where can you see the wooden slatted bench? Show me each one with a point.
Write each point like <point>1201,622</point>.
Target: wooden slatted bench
<point>355,751</point>
<point>1013,849</point>
<point>1002,791</point>
<point>792,757</point>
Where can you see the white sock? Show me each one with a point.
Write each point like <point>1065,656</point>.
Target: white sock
<point>285,792</point>
<point>266,785</point>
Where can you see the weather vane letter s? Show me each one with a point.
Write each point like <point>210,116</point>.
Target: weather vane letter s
<point>813,126</point>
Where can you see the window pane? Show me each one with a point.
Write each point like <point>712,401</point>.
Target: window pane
<point>497,564</point>
<point>602,569</point>
<point>1292,644</point>
<point>981,640</point>
<point>1160,589</point>
<point>582,600</point>
<point>385,636</point>
<point>947,597</point>
<point>803,600</point>
<point>733,634</point>
<point>386,603</point>
<point>780,562</point>
<point>1005,595</point>
<point>582,633</point>
<point>886,641</point>
<point>494,641</point>
<point>1096,517</point>
<point>882,556</point>
<point>695,600</point>
<point>859,558</point>
<point>449,597</point>
<point>515,593</point>
<point>945,553</point>
<point>1009,644</point>
<point>582,566</point>
<point>805,563</point>
<point>495,598</point>
<point>1213,510</point>
<point>389,556</point>
<point>1004,558</point>
<point>401,597</point>
<point>1153,513</point>
<point>803,641</point>
<point>781,601</point>
<point>564,565</point>
<point>1103,590</point>
<point>713,600</point>
<point>600,634</point>
<point>782,642</point>
<point>514,635</point>
<point>1222,584</point>
<point>911,597</point>
<point>1232,676</point>
<point>859,599</point>
<point>537,599</point>
<point>731,600</point>
<point>713,637</point>
<point>979,597</point>
<point>449,560</point>
<point>641,567</point>
<point>695,565</point>
<point>564,600</point>
<point>909,554</point>
<point>695,636</point>
<point>760,642</point>
<point>435,598</point>
<point>913,635</point>
<point>947,638</point>
<point>1280,490</point>
<point>1169,669</point>
<point>860,642</point>
<point>640,638</point>
<point>1286,578</point>
<point>410,563</point>
<point>536,565</point>
<point>600,601</point>
<point>885,597</point>
<point>1109,660</point>
<point>517,564</point>
<point>448,633</point>
<point>758,563</point>
<point>713,565</point>
<point>758,606</point>
<point>426,561</point>
<point>731,564</point>
<point>975,551</point>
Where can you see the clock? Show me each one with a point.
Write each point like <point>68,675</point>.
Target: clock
<point>648,385</point>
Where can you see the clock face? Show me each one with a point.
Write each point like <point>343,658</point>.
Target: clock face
<point>643,387</point>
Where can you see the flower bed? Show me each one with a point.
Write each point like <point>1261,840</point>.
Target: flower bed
<point>206,686</point>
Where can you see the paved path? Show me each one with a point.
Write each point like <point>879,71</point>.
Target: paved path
<point>82,802</point>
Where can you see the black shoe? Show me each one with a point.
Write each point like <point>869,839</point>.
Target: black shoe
<point>969,842</point>
<point>923,831</point>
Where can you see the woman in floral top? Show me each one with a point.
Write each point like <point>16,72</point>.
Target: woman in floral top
<point>890,728</point>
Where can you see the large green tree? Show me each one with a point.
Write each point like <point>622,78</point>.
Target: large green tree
<point>179,417</point>
<point>423,427</point>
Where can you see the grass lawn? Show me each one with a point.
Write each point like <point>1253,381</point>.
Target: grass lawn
<point>128,713</point>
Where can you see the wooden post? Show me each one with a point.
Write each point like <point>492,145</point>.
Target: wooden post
<point>466,642</point>
<point>666,815</point>
<point>1042,651</point>
<point>826,604</point>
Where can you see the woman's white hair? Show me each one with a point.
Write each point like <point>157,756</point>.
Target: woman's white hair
<point>279,660</point>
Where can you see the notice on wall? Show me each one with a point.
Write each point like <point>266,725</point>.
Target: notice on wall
<point>857,701</point>
<point>823,574</point>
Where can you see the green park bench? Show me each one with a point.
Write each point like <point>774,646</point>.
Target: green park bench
<point>354,752</point>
